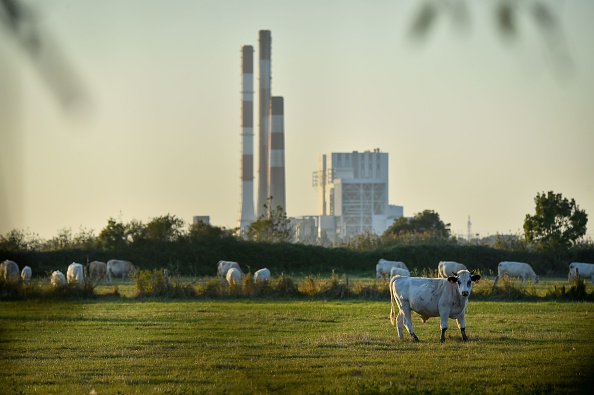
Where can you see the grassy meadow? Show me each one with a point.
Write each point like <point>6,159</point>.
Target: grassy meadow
<point>293,346</point>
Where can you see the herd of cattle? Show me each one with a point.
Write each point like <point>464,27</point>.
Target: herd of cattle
<point>96,270</point>
<point>9,271</point>
<point>232,273</point>
<point>446,297</point>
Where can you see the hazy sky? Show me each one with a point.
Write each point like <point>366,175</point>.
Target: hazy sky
<point>475,124</point>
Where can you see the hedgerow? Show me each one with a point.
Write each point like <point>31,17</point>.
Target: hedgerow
<point>154,284</point>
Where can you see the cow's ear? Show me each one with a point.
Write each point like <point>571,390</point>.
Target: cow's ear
<point>453,279</point>
<point>475,277</point>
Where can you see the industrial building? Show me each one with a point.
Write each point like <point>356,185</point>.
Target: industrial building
<point>353,187</point>
<point>353,195</point>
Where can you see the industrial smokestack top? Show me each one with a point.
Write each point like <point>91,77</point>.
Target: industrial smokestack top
<point>265,39</point>
<point>248,59</point>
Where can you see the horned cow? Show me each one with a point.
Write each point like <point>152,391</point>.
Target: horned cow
<point>97,270</point>
<point>224,266</point>
<point>384,266</point>
<point>9,271</point>
<point>57,279</point>
<point>234,276</point>
<point>74,274</point>
<point>116,267</point>
<point>398,271</point>
<point>582,270</point>
<point>431,297</point>
<point>262,275</point>
<point>26,274</point>
<point>515,269</point>
<point>446,268</point>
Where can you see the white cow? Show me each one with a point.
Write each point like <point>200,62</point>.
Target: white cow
<point>97,270</point>
<point>431,297</point>
<point>57,279</point>
<point>224,266</point>
<point>446,268</point>
<point>234,276</point>
<point>583,270</point>
<point>515,269</point>
<point>398,271</point>
<point>383,267</point>
<point>262,275</point>
<point>26,274</point>
<point>74,274</point>
<point>9,271</point>
<point>116,267</point>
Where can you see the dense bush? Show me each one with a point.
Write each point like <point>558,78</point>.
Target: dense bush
<point>154,284</point>
<point>198,257</point>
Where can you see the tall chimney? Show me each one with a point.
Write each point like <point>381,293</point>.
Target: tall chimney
<point>247,138</point>
<point>264,105</point>
<point>276,175</point>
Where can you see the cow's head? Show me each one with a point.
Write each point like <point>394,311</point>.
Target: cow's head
<point>463,279</point>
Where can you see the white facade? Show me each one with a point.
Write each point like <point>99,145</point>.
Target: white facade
<point>353,193</point>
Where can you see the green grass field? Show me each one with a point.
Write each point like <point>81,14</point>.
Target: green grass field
<point>125,346</point>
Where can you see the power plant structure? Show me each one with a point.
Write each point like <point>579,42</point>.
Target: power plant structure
<point>352,186</point>
<point>271,138</point>
<point>265,46</point>
<point>276,161</point>
<point>353,195</point>
<point>247,138</point>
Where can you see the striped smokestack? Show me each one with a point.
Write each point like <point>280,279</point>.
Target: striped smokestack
<point>276,173</point>
<point>264,132</point>
<point>247,138</point>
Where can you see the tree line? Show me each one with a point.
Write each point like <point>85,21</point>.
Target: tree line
<point>553,236</point>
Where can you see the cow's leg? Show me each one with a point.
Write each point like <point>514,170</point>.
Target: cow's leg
<point>444,325</point>
<point>495,283</point>
<point>400,324</point>
<point>462,325</point>
<point>405,309</point>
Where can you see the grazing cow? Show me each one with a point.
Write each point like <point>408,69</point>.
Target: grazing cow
<point>26,274</point>
<point>57,279</point>
<point>398,271</point>
<point>431,297</point>
<point>583,270</point>
<point>9,271</point>
<point>383,267</point>
<point>516,269</point>
<point>224,266</point>
<point>262,275</point>
<point>74,275</point>
<point>234,276</point>
<point>446,268</point>
<point>117,268</point>
<point>98,270</point>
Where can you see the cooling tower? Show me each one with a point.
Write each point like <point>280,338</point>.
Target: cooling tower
<point>247,138</point>
<point>264,112</point>
<point>276,175</point>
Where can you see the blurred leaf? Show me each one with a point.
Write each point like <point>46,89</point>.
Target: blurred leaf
<point>544,17</point>
<point>422,23</point>
<point>506,18</point>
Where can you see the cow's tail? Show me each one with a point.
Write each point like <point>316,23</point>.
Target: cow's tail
<point>392,301</point>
